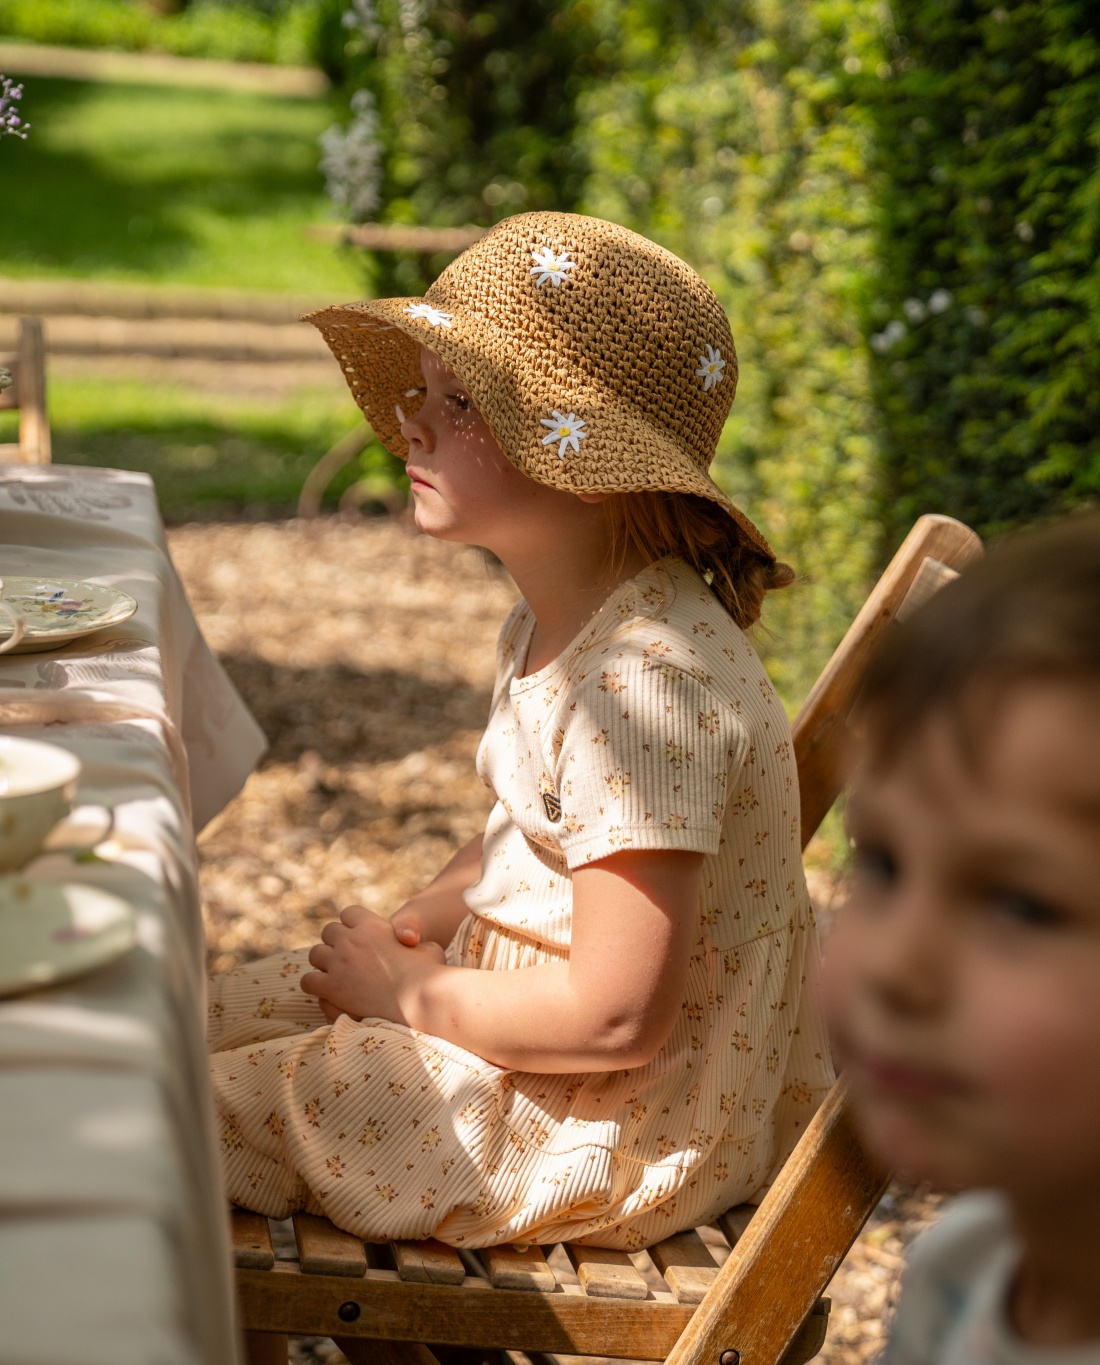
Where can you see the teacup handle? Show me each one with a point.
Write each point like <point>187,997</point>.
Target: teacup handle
<point>19,626</point>
<point>53,842</point>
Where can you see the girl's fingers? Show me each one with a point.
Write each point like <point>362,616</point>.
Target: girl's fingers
<point>406,929</point>
<point>331,932</point>
<point>313,983</point>
<point>352,914</point>
<point>320,956</point>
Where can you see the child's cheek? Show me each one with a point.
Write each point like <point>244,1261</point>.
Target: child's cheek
<point>1033,1048</point>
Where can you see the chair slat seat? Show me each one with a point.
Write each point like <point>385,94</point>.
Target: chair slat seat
<point>510,1268</point>
<point>324,1250</point>
<point>606,1274</point>
<point>251,1241</point>
<point>686,1264</point>
<point>428,1262</point>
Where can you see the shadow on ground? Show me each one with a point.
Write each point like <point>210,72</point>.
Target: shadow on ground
<point>345,716</point>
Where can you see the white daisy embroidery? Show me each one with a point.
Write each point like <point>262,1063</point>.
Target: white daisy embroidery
<point>710,368</point>
<point>567,431</point>
<point>430,314</point>
<point>550,267</point>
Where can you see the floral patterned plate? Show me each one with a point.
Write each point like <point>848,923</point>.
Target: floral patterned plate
<point>58,610</point>
<point>52,932</point>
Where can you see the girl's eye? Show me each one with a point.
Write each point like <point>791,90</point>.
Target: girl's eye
<point>871,861</point>
<point>1024,909</point>
<point>461,401</point>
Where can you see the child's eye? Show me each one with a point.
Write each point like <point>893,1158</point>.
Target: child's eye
<point>871,861</point>
<point>1024,909</point>
<point>462,401</point>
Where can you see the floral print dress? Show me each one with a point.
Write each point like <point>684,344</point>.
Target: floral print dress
<point>656,729</point>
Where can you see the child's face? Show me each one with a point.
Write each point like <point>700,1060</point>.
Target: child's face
<point>464,487</point>
<point>963,977</point>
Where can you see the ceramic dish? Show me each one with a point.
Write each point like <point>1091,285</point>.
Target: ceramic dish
<point>57,610</point>
<point>52,932</point>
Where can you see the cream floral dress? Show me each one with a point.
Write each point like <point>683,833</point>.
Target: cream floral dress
<point>656,729</point>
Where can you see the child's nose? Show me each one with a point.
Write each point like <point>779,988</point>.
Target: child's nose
<point>418,432</point>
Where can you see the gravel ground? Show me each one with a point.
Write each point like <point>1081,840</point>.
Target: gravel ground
<point>366,652</point>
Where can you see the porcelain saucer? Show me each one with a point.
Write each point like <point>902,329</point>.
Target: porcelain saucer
<point>57,610</point>
<point>52,931</point>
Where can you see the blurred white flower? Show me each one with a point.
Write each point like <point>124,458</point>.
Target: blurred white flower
<point>364,17</point>
<point>890,335</point>
<point>941,301</point>
<point>351,160</point>
<point>10,122</point>
<point>914,310</point>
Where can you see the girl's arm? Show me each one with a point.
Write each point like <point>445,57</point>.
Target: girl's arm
<point>434,914</point>
<point>613,1004</point>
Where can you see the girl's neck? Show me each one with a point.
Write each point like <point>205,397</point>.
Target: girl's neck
<point>1056,1292</point>
<point>564,582</point>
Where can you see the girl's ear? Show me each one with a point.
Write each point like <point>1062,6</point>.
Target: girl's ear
<point>593,497</point>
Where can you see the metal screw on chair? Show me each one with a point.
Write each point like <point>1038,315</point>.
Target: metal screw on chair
<point>730,1358</point>
<point>348,1312</point>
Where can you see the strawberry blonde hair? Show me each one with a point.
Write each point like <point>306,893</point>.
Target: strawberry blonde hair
<point>659,523</point>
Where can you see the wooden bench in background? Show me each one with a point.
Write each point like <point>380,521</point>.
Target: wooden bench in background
<point>28,394</point>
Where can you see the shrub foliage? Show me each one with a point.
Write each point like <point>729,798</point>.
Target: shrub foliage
<point>987,324</point>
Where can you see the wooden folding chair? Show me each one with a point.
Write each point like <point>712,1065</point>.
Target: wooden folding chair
<point>385,1304</point>
<point>28,394</point>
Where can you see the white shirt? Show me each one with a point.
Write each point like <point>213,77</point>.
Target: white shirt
<point>953,1306</point>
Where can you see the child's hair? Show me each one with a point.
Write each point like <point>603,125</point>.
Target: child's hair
<point>703,534</point>
<point>1030,610</point>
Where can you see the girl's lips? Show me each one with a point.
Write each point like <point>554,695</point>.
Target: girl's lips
<point>417,479</point>
<point>902,1080</point>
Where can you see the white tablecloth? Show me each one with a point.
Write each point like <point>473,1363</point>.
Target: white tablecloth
<point>113,1229</point>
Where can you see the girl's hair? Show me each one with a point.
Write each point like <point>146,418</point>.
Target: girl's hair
<point>659,523</point>
<point>1030,609</point>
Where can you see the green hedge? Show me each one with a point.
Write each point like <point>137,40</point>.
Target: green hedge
<point>730,134</point>
<point>208,28</point>
<point>987,319</point>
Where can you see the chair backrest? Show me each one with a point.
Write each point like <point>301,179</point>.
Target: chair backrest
<point>28,394</point>
<point>828,1188</point>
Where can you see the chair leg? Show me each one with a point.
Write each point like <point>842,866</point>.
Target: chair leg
<point>364,1351</point>
<point>266,1348</point>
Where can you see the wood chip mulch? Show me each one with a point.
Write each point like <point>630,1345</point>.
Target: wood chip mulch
<point>366,652</point>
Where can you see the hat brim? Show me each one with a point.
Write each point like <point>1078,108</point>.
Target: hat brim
<point>377,344</point>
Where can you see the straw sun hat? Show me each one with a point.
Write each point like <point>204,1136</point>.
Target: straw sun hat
<point>601,362</point>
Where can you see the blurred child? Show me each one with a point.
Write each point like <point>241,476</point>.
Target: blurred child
<point>963,978</point>
<point>593,1024</point>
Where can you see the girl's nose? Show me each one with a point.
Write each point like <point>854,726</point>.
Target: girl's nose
<point>418,432</point>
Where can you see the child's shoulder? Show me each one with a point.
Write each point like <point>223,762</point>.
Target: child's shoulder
<point>956,1273</point>
<point>667,618</point>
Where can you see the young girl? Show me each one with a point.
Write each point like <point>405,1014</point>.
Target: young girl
<point>594,1023</point>
<point>964,975</point>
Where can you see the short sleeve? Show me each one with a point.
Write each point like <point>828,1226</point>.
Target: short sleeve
<point>643,753</point>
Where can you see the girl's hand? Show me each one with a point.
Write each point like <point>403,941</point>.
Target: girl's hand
<point>406,928</point>
<point>363,970</point>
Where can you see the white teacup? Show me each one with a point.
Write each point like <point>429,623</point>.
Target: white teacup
<point>37,787</point>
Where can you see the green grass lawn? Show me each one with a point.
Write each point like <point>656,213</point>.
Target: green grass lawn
<point>127,182</point>
<point>209,456</point>
<point>196,187</point>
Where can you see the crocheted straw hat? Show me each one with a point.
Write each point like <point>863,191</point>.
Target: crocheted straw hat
<point>601,362</point>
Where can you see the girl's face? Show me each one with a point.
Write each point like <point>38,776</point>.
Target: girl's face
<point>465,488</point>
<point>963,977</point>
